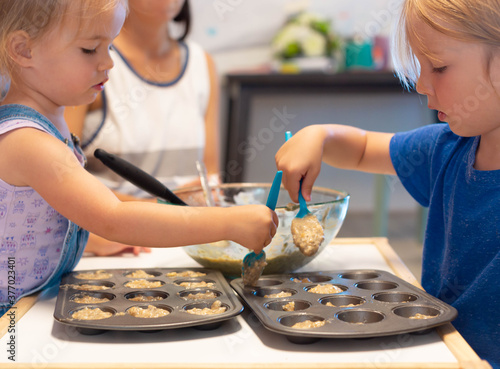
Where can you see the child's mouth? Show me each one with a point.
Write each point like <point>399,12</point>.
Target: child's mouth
<point>100,86</point>
<point>442,116</point>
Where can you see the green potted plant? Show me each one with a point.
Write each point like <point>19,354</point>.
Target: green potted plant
<point>306,42</point>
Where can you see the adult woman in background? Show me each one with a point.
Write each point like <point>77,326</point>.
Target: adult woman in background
<point>159,109</point>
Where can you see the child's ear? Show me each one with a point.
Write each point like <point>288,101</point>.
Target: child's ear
<point>19,48</point>
<point>495,71</point>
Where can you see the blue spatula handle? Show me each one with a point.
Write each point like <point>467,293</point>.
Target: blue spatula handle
<point>274,192</point>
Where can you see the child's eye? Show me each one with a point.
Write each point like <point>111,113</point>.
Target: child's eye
<point>439,70</point>
<point>88,51</point>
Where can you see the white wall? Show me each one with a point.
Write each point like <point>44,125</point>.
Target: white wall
<point>227,24</point>
<point>238,32</point>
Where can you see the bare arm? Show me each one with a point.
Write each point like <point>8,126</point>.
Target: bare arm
<point>340,146</point>
<point>212,143</point>
<point>52,170</point>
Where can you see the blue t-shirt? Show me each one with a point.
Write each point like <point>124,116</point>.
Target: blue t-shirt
<point>461,257</point>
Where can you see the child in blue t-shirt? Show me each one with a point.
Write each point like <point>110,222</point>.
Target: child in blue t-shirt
<point>450,51</point>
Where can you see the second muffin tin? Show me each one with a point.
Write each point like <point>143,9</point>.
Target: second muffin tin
<point>173,297</point>
<point>370,303</point>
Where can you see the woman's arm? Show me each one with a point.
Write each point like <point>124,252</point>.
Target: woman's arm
<point>212,129</point>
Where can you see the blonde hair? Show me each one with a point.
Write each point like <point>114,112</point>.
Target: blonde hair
<point>37,17</point>
<point>464,20</point>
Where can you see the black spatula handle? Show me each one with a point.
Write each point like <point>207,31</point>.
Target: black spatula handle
<point>137,176</point>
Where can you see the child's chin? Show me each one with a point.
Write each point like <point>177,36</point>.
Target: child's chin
<point>460,129</point>
<point>88,99</point>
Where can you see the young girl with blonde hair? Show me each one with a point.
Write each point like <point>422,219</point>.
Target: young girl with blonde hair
<point>56,53</point>
<point>450,51</point>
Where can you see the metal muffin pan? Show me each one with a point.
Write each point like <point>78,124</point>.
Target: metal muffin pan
<point>174,299</point>
<point>380,304</point>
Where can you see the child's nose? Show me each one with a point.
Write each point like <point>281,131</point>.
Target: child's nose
<point>107,62</point>
<point>423,86</point>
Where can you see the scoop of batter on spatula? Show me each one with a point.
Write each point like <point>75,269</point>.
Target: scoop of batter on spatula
<point>307,231</point>
<point>254,264</point>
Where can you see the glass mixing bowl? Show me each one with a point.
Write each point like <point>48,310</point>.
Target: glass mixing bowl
<point>282,256</point>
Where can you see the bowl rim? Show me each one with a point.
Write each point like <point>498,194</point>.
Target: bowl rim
<point>344,195</point>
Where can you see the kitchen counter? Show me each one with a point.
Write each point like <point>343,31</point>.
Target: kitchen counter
<point>241,342</point>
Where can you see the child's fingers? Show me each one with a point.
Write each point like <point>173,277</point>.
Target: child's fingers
<point>260,242</point>
<point>138,249</point>
<point>276,223</point>
<point>291,182</point>
<point>306,190</point>
<point>307,184</point>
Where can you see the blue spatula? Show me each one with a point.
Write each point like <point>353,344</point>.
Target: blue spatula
<point>303,211</point>
<point>251,258</point>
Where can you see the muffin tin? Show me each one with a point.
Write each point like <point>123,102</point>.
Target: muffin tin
<point>372,303</point>
<point>174,299</point>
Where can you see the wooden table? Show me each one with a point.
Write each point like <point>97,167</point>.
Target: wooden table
<point>241,342</point>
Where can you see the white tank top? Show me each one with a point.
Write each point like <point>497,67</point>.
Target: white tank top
<point>159,127</point>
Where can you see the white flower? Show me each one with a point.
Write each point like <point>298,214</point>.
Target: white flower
<point>307,34</point>
<point>313,44</point>
<point>289,34</point>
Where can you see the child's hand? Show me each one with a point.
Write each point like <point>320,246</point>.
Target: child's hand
<point>252,226</point>
<point>300,158</point>
<point>101,247</point>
